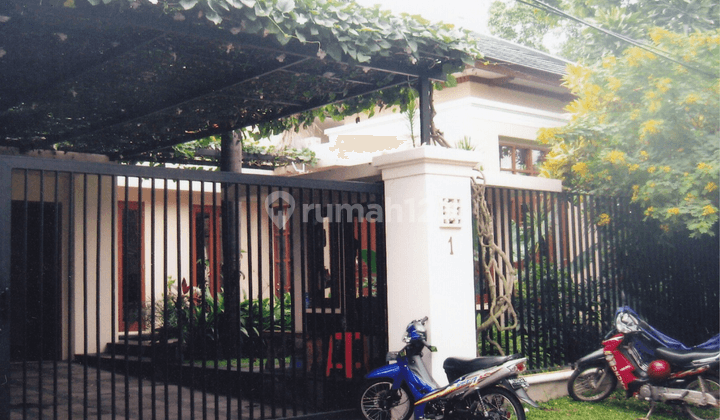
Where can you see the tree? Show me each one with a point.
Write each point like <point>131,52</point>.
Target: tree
<point>525,24</point>
<point>507,22</point>
<point>647,127</point>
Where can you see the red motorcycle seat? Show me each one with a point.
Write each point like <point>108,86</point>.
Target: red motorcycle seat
<point>456,367</point>
<point>683,357</point>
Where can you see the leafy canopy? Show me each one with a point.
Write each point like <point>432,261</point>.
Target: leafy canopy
<point>647,127</point>
<point>341,30</point>
<point>532,26</point>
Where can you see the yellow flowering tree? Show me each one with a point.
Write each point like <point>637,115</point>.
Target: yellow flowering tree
<point>647,127</point>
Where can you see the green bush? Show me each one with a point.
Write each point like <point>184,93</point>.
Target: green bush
<point>201,322</point>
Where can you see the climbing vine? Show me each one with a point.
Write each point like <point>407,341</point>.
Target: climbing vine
<point>497,270</point>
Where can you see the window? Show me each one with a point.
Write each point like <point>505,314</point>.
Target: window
<point>131,285</point>
<point>207,252</point>
<point>521,159</point>
<point>282,264</point>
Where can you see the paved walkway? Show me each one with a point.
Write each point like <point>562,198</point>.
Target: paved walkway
<point>93,397</point>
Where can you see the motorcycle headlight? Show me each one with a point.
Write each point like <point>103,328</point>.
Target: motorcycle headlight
<point>626,323</point>
<point>414,331</point>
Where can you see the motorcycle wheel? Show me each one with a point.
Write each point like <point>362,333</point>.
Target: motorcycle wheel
<point>378,401</point>
<point>591,383</point>
<point>499,403</point>
<point>712,385</point>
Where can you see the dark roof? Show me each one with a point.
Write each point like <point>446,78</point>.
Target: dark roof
<point>500,50</point>
<point>114,80</point>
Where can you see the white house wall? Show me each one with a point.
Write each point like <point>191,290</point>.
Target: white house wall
<point>92,274</point>
<point>479,112</point>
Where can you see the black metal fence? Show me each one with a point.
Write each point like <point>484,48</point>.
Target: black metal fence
<point>578,258</point>
<point>133,292</point>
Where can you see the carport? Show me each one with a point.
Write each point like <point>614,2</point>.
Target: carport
<point>124,81</point>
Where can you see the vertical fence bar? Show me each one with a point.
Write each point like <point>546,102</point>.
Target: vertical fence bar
<point>98,259</point>
<point>71,284</point>
<point>523,296</point>
<point>123,279</point>
<point>41,274</point>
<point>260,317</point>
<point>216,292</point>
<point>305,294</point>
<point>6,177</point>
<point>270,335</point>
<point>612,258</point>
<point>24,310</point>
<point>139,303</point>
<point>238,349</point>
<point>251,295</point>
<point>555,261</point>
<point>57,257</point>
<point>165,295</point>
<point>114,291</point>
<point>192,282</point>
<point>293,366</point>
<point>178,303</point>
<point>153,297</point>
<point>85,292</point>
<point>202,279</point>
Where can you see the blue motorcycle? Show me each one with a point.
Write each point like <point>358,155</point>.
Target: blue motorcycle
<point>483,388</point>
<point>593,379</point>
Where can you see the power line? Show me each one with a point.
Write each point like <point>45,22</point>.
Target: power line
<point>663,54</point>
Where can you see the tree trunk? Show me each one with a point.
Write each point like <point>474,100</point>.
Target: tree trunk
<point>231,155</point>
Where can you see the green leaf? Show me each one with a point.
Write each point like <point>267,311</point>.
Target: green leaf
<point>335,52</point>
<point>213,17</point>
<point>285,6</point>
<point>188,4</point>
<point>261,11</point>
<point>253,26</point>
<point>282,38</point>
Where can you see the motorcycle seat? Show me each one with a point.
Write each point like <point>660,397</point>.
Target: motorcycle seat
<point>683,357</point>
<point>456,367</point>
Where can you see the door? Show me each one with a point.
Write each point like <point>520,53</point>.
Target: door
<point>131,287</point>
<point>34,281</point>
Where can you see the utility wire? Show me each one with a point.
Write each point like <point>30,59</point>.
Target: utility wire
<point>663,54</point>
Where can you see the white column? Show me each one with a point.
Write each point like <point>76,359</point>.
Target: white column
<point>428,215</point>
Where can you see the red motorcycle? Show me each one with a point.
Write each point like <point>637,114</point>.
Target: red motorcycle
<point>688,378</point>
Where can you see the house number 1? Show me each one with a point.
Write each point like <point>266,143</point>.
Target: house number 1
<point>451,246</point>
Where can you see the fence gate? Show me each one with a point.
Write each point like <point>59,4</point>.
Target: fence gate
<point>135,292</point>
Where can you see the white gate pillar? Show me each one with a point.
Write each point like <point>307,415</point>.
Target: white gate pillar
<point>428,225</point>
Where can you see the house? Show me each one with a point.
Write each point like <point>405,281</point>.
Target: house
<point>96,257</point>
<point>495,110</point>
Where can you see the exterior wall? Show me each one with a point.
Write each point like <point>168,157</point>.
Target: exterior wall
<point>480,112</point>
<point>94,229</point>
<point>255,256</point>
<point>91,276</point>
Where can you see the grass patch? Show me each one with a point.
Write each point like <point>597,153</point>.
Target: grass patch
<point>615,407</point>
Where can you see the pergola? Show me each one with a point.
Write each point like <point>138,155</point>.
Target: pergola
<point>127,78</point>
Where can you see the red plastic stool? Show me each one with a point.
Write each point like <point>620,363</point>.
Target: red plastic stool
<point>350,341</point>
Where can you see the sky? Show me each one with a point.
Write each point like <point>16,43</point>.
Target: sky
<point>469,14</point>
